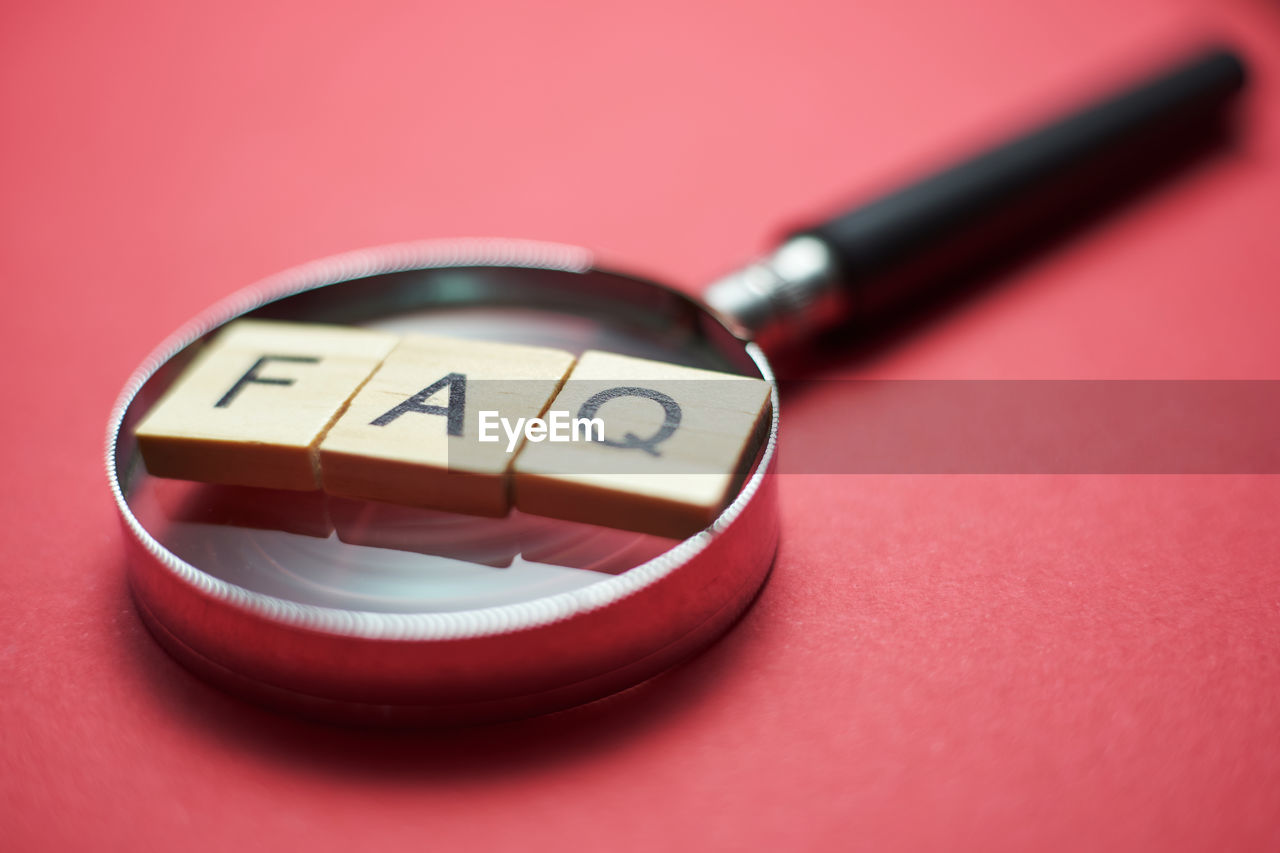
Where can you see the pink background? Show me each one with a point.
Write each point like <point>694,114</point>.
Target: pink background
<point>937,662</point>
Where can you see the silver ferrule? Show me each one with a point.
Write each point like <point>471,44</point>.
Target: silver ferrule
<point>786,295</point>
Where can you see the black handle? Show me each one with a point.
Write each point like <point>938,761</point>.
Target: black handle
<point>882,249</point>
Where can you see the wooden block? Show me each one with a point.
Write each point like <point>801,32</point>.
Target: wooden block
<point>252,407</point>
<point>676,443</point>
<point>411,436</point>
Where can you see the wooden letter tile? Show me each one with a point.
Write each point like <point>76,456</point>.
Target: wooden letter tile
<point>253,405</point>
<point>411,436</point>
<point>676,442</point>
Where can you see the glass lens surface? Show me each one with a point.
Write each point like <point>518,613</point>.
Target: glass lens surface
<point>320,550</point>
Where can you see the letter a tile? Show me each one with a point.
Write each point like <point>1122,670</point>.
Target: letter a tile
<point>412,434</point>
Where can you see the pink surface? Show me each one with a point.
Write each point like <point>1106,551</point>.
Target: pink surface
<point>937,662</point>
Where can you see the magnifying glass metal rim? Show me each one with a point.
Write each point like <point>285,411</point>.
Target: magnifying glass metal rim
<point>169,587</point>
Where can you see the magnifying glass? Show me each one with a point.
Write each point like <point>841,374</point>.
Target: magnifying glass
<point>362,611</point>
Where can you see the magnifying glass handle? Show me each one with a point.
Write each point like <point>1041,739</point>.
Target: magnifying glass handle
<point>885,253</point>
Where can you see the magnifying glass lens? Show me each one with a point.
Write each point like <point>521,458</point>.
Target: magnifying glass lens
<point>315,549</point>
